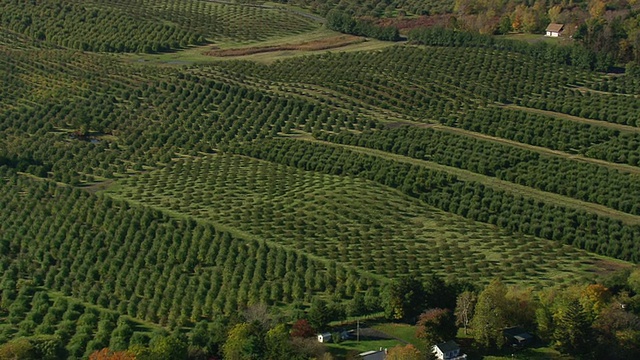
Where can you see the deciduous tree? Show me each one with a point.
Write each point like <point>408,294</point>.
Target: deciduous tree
<point>107,354</point>
<point>435,326</point>
<point>404,299</point>
<point>302,329</point>
<point>407,352</point>
<point>245,341</point>
<point>490,315</point>
<point>465,306</point>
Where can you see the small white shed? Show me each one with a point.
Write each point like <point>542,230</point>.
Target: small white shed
<point>324,337</point>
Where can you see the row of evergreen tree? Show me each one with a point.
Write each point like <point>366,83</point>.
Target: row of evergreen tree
<point>345,23</point>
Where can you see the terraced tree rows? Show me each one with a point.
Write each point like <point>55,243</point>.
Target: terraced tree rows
<point>145,26</point>
<point>473,200</point>
<point>599,142</point>
<point>61,327</point>
<point>620,84</point>
<point>218,21</point>
<point>355,222</point>
<point>533,129</point>
<point>146,264</point>
<point>83,27</point>
<point>414,80</point>
<point>582,181</point>
<point>614,108</point>
<point>142,121</point>
<point>233,184</point>
<point>380,8</point>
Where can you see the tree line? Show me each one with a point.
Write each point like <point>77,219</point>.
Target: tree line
<point>345,23</point>
<point>575,55</point>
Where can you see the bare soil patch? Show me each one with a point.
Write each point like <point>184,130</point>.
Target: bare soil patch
<point>316,45</point>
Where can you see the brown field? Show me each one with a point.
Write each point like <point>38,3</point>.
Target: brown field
<point>315,45</point>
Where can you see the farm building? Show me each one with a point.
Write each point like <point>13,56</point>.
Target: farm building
<point>374,355</point>
<point>554,30</point>
<point>517,337</point>
<point>324,337</point>
<point>448,351</point>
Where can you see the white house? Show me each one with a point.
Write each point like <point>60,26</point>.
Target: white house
<point>324,337</point>
<point>448,351</point>
<point>554,30</point>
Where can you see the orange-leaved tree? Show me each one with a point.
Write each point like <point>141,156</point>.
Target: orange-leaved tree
<point>106,354</point>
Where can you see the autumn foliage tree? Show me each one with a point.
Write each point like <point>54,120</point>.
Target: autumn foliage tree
<point>435,326</point>
<point>302,329</point>
<point>407,352</point>
<point>593,299</point>
<point>107,354</point>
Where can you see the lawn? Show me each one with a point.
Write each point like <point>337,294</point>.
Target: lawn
<point>353,347</point>
<point>404,332</point>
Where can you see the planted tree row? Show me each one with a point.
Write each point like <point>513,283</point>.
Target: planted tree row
<point>128,125</point>
<point>582,181</point>
<point>145,264</point>
<point>378,8</point>
<point>60,328</point>
<point>469,199</point>
<point>421,83</point>
<point>533,129</point>
<point>218,20</point>
<point>614,108</point>
<point>144,26</point>
<point>627,84</point>
<point>77,26</point>
<point>553,133</point>
<point>354,222</point>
